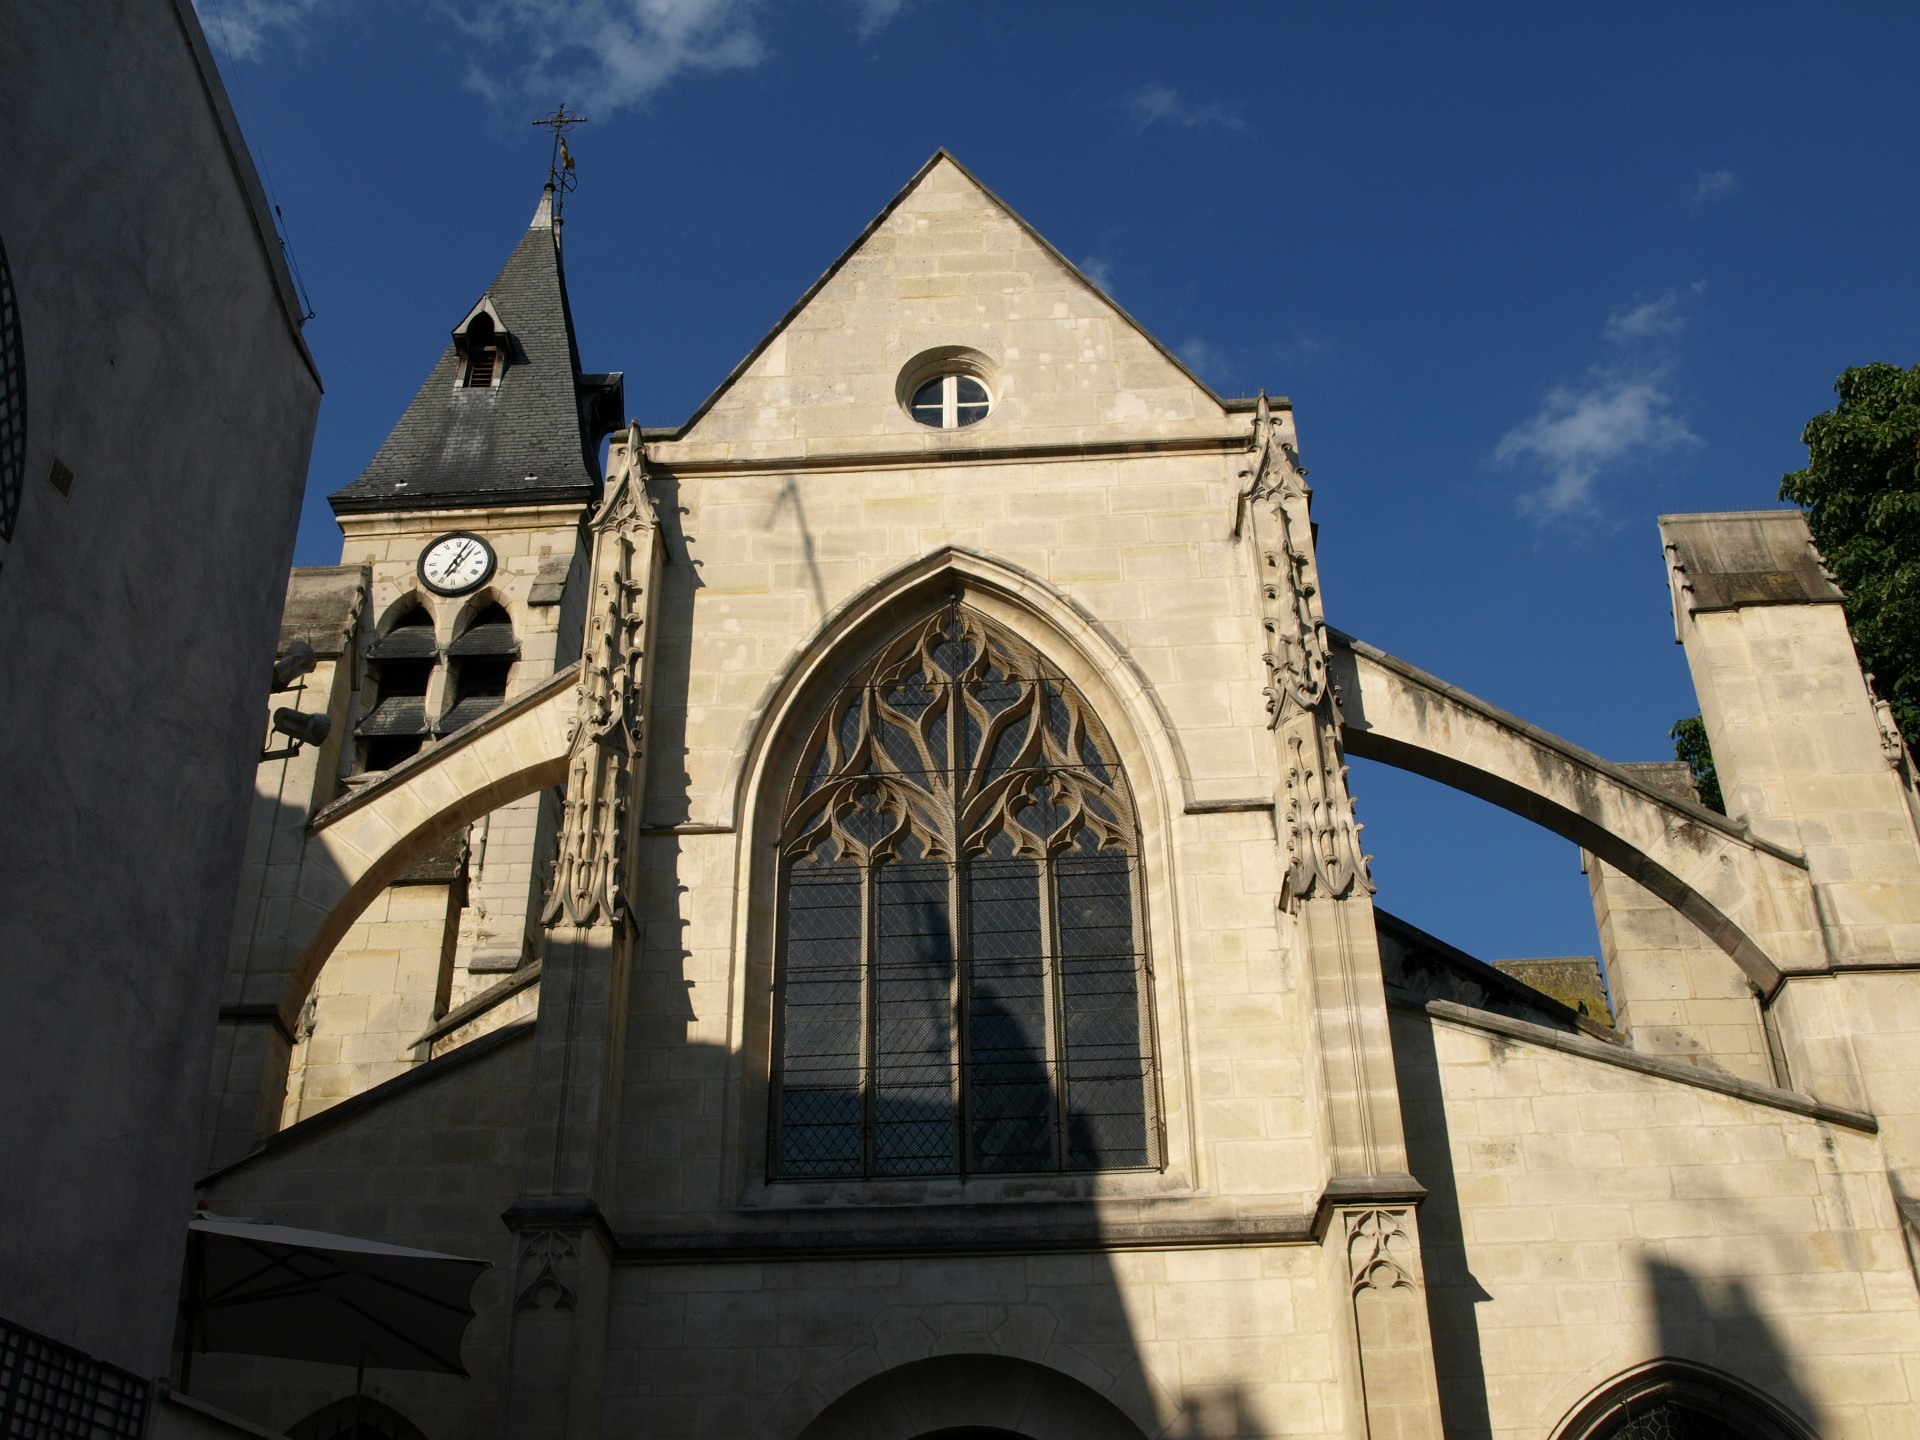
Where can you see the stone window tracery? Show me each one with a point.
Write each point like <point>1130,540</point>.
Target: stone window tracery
<point>963,975</point>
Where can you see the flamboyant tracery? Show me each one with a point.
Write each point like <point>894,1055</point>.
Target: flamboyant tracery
<point>963,968</point>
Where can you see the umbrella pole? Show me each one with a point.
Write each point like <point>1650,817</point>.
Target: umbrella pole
<point>196,1261</point>
<point>359,1385</point>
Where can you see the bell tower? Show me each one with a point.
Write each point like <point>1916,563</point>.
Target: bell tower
<point>469,526</point>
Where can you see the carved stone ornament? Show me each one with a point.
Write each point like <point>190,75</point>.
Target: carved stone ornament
<point>1323,838</point>
<point>546,1273</point>
<point>609,730</point>
<point>1379,1251</point>
<point>1321,835</point>
<point>1892,745</point>
<point>1277,501</point>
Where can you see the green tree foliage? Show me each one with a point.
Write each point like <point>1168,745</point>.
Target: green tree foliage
<point>1691,745</point>
<point>1861,491</point>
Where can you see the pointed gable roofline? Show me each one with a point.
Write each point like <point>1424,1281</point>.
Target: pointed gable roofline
<point>861,239</point>
<point>531,438</point>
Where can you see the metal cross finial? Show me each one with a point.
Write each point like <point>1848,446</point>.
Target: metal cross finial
<point>560,173</point>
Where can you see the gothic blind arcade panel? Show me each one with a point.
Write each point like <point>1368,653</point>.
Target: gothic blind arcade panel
<point>963,972</point>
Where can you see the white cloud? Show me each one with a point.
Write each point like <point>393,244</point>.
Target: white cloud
<point>1711,185</point>
<point>594,54</point>
<point>605,54</point>
<point>1151,104</point>
<point>875,16</point>
<point>1579,430</point>
<point>242,29</point>
<point>1099,271</point>
<point>1658,319</point>
<point>1620,410</point>
<point>1206,360</point>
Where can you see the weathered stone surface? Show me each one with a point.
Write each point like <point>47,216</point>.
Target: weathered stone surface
<point>164,370</point>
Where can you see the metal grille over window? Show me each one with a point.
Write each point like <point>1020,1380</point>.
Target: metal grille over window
<point>964,984</point>
<point>13,403</point>
<point>49,1391</point>
<point>1665,1420</point>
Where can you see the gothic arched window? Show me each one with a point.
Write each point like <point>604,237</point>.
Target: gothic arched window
<point>963,978</point>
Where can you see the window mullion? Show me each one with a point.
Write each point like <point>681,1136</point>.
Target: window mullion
<point>958,928</point>
<point>869,1022</point>
<point>950,403</point>
<point>1052,1006</point>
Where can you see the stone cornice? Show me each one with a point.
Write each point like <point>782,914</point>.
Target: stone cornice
<point>661,463</point>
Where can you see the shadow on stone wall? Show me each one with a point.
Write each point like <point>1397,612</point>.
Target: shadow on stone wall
<point>1715,1321</point>
<point>1452,1290</point>
<point>877,1341</point>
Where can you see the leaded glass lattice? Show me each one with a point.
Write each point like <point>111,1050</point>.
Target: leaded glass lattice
<point>1665,1420</point>
<point>963,973</point>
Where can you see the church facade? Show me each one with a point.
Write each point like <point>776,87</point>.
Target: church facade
<point>857,914</point>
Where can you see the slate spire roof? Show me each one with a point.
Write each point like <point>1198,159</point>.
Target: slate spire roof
<point>534,437</point>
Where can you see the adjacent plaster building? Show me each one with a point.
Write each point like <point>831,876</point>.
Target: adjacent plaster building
<point>858,915</point>
<point>157,404</point>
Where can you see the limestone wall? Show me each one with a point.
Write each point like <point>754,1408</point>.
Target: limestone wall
<point>1674,991</point>
<point>377,995</point>
<point>1127,576</point>
<point>432,1166</point>
<point>1192,1343</point>
<point>1584,1219</point>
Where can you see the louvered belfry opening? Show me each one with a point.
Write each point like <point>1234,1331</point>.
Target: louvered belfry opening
<point>400,665</point>
<point>482,656</point>
<point>963,973</point>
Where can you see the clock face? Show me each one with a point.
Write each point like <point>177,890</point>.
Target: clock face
<point>454,564</point>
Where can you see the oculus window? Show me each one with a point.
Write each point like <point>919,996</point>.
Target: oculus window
<point>948,402</point>
<point>963,985</point>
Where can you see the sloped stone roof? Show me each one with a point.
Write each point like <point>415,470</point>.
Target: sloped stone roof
<point>532,438</point>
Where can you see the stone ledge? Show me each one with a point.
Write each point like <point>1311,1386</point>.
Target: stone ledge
<point>1260,803</point>
<point>990,1233</point>
<point>946,457</point>
<point>354,1106</point>
<point>1049,1227</point>
<point>1619,1056</point>
<point>479,1004</point>
<point>258,1014</point>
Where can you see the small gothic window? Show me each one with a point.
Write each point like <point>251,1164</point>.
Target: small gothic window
<point>483,355</point>
<point>482,656</point>
<point>13,403</point>
<point>962,961</point>
<point>400,666</point>
<point>948,402</point>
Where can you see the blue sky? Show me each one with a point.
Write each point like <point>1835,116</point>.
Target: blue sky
<point>1532,273</point>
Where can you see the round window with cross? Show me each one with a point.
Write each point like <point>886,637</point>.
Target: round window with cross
<point>947,402</point>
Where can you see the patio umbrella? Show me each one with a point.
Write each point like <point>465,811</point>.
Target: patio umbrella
<point>254,1289</point>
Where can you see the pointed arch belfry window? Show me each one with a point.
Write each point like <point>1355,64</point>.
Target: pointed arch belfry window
<point>963,973</point>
